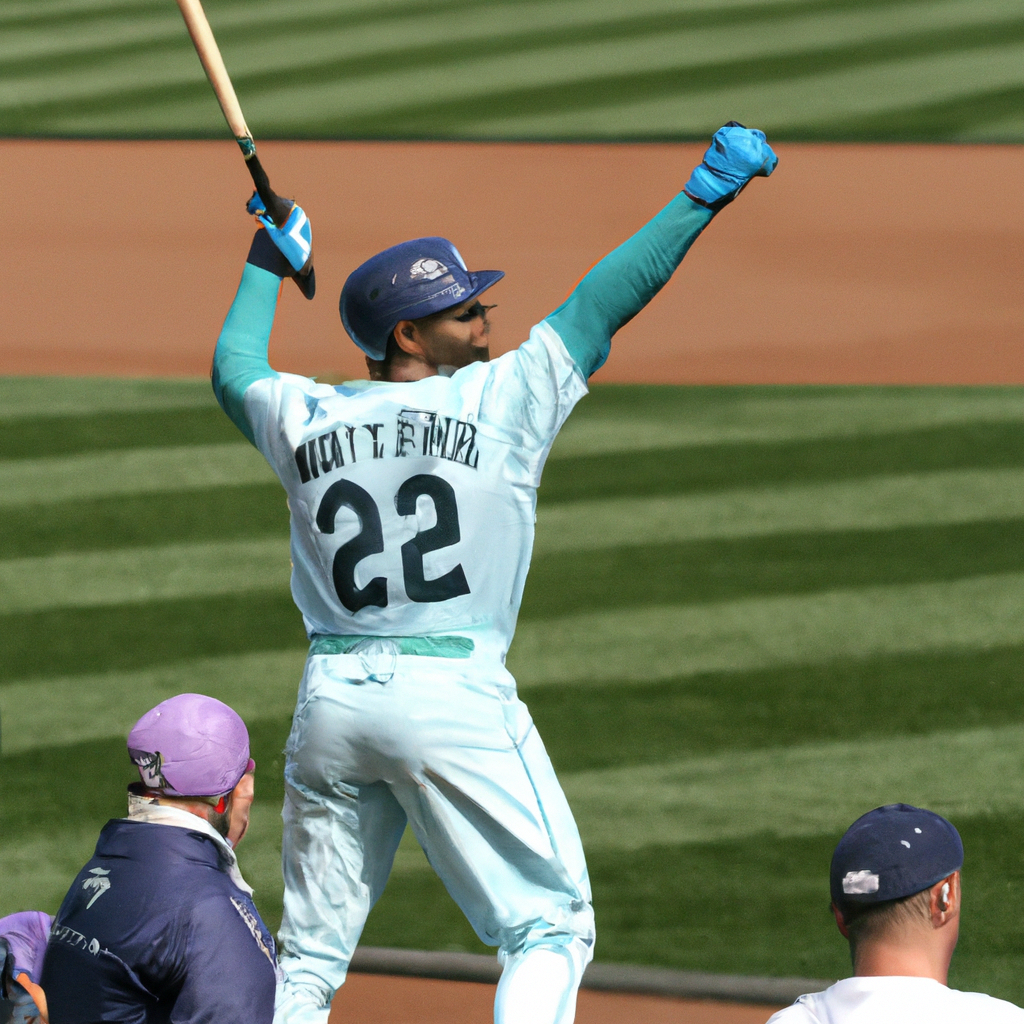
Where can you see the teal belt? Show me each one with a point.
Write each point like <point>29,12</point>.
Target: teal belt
<point>424,646</point>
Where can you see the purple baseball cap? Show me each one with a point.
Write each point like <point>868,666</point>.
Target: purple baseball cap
<point>406,282</point>
<point>191,745</point>
<point>25,936</point>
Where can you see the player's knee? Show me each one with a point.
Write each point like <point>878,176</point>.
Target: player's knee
<point>570,931</point>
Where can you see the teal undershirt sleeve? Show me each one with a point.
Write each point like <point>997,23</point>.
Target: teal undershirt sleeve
<point>625,281</point>
<point>240,358</point>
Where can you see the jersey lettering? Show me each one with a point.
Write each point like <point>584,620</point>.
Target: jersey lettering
<point>415,433</point>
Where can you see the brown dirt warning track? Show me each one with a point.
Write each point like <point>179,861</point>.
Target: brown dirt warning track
<point>888,264</point>
<point>372,999</point>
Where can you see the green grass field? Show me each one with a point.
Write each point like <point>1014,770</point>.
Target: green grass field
<point>946,70</point>
<point>753,614</point>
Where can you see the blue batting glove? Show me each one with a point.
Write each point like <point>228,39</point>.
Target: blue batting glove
<point>294,238</point>
<point>736,155</point>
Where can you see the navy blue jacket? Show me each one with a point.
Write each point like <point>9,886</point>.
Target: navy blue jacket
<point>154,931</point>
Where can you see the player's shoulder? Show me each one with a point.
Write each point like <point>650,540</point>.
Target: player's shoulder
<point>796,1013</point>
<point>977,1006</point>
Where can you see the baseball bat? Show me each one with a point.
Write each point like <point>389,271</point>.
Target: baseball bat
<point>213,64</point>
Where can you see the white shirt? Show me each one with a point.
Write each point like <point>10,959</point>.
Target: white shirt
<point>413,504</point>
<point>897,1000</point>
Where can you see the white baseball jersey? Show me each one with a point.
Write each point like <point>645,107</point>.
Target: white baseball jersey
<point>413,504</point>
<point>897,1000</point>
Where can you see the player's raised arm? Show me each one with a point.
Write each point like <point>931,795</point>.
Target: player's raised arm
<point>631,275</point>
<point>240,358</point>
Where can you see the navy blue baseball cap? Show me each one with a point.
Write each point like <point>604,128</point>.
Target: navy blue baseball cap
<point>406,282</point>
<point>892,852</point>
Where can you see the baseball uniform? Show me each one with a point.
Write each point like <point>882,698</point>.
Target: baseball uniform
<point>897,1000</point>
<point>412,522</point>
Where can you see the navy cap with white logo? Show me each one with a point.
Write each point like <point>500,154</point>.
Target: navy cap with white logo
<point>406,282</point>
<point>892,852</point>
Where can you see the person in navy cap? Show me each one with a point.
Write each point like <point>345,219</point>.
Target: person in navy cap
<point>22,946</point>
<point>895,883</point>
<point>160,926</point>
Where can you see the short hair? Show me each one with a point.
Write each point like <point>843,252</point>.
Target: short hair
<point>872,920</point>
<point>380,369</point>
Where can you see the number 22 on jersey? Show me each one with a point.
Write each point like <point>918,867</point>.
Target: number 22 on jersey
<point>370,541</point>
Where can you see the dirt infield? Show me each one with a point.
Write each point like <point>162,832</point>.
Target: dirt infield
<point>853,264</point>
<point>371,999</point>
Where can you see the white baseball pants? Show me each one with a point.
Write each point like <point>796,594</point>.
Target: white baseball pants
<point>379,739</point>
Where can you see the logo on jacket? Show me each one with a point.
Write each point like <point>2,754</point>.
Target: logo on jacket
<point>253,924</point>
<point>99,882</point>
<point>427,270</point>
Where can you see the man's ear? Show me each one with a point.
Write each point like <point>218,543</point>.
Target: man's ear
<point>840,923</point>
<point>944,904</point>
<point>407,337</point>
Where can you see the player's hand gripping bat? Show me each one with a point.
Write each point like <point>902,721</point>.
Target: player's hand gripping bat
<point>277,209</point>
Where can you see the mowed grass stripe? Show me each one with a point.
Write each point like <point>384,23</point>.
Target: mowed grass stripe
<point>700,572</point>
<point>114,430</point>
<point>52,479</point>
<point>734,795</point>
<point>617,418</point>
<point>63,416</point>
<point>668,642</point>
<point>363,34</point>
<point>620,724</point>
<point>613,418</point>
<point>140,520</point>
<point>30,398</point>
<point>72,709</point>
<point>130,471</point>
<point>693,66</point>
<point>648,644</point>
<point>973,446</point>
<point>76,641</point>
<point>796,105</point>
<point>570,75</point>
<point>991,115</point>
<point>797,790</point>
<point>354,40</point>
<point>87,579</point>
<point>154,573</point>
<point>959,496</point>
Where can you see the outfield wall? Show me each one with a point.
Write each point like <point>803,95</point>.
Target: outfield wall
<point>888,264</point>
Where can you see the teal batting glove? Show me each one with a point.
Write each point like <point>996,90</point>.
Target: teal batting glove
<point>294,238</point>
<point>736,155</point>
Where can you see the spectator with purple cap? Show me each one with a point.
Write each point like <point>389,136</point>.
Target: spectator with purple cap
<point>895,883</point>
<point>22,945</point>
<point>160,926</point>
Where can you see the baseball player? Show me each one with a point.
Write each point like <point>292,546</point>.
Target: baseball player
<point>159,927</point>
<point>412,503</point>
<point>895,883</point>
<point>22,946</point>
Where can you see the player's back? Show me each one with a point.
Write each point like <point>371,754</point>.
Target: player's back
<point>413,504</point>
<point>897,1000</point>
